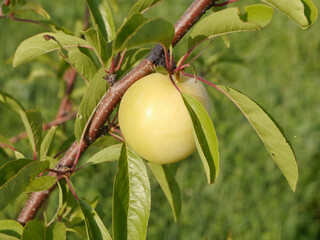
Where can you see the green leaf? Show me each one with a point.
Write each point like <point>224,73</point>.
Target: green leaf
<point>56,231</point>
<point>46,142</point>
<point>18,178</point>
<point>303,12</point>
<point>10,103</point>
<point>98,145</point>
<point>310,11</point>
<point>269,132</point>
<point>82,64</point>
<point>5,141</point>
<point>138,30</point>
<point>131,197</point>
<point>41,184</point>
<point>169,186</point>
<point>108,154</point>
<point>89,102</point>
<point>32,121</point>
<point>34,230</point>
<point>230,20</point>
<point>108,20</point>
<point>142,5</point>
<point>205,136</point>
<point>38,45</point>
<point>10,228</point>
<point>102,18</point>
<point>37,230</point>
<point>132,56</point>
<point>94,226</point>
<point>35,7</point>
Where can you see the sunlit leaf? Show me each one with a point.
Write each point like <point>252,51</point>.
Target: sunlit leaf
<point>38,45</point>
<point>41,184</point>
<point>102,18</point>
<point>82,63</point>
<point>89,102</point>
<point>32,121</point>
<point>46,142</point>
<point>169,186</point>
<point>94,226</point>
<point>142,5</point>
<point>35,7</point>
<point>302,12</point>
<point>16,176</point>
<point>10,228</point>
<point>269,132</point>
<point>205,137</point>
<point>230,20</point>
<point>138,30</point>
<point>131,197</point>
<point>9,102</point>
<point>108,154</point>
<point>37,230</point>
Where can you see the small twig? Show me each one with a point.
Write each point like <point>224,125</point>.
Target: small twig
<point>46,126</point>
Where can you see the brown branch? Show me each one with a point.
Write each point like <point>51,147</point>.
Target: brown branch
<point>110,101</point>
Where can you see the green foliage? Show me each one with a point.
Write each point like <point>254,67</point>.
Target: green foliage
<point>269,132</point>
<point>89,102</point>
<point>249,199</point>
<point>131,197</point>
<point>16,176</point>
<point>94,226</point>
<point>205,137</point>
<point>228,20</point>
<point>169,187</point>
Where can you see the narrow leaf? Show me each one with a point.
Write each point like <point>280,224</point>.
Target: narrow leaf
<point>35,7</point>
<point>32,121</point>
<point>269,132</point>
<point>101,16</point>
<point>302,12</point>
<point>10,228</point>
<point>46,142</point>
<point>93,95</point>
<point>229,20</point>
<point>38,45</point>
<point>108,20</point>
<point>131,197</point>
<point>40,184</point>
<point>99,145</point>
<point>82,64</point>
<point>138,30</point>
<point>169,186</point>
<point>94,226</point>
<point>142,5</point>
<point>10,102</point>
<point>99,45</point>
<point>205,136</point>
<point>108,154</point>
<point>18,181</point>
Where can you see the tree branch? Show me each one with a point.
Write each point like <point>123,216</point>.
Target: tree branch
<point>110,101</point>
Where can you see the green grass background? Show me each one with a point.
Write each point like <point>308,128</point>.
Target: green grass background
<point>251,200</point>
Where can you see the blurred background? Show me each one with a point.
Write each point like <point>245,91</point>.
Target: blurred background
<point>277,67</point>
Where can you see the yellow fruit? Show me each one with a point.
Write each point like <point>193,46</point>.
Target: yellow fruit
<point>154,120</point>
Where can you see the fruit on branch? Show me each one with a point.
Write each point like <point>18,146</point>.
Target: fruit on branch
<point>154,120</point>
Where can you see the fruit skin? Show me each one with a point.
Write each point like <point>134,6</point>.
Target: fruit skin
<point>154,120</point>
